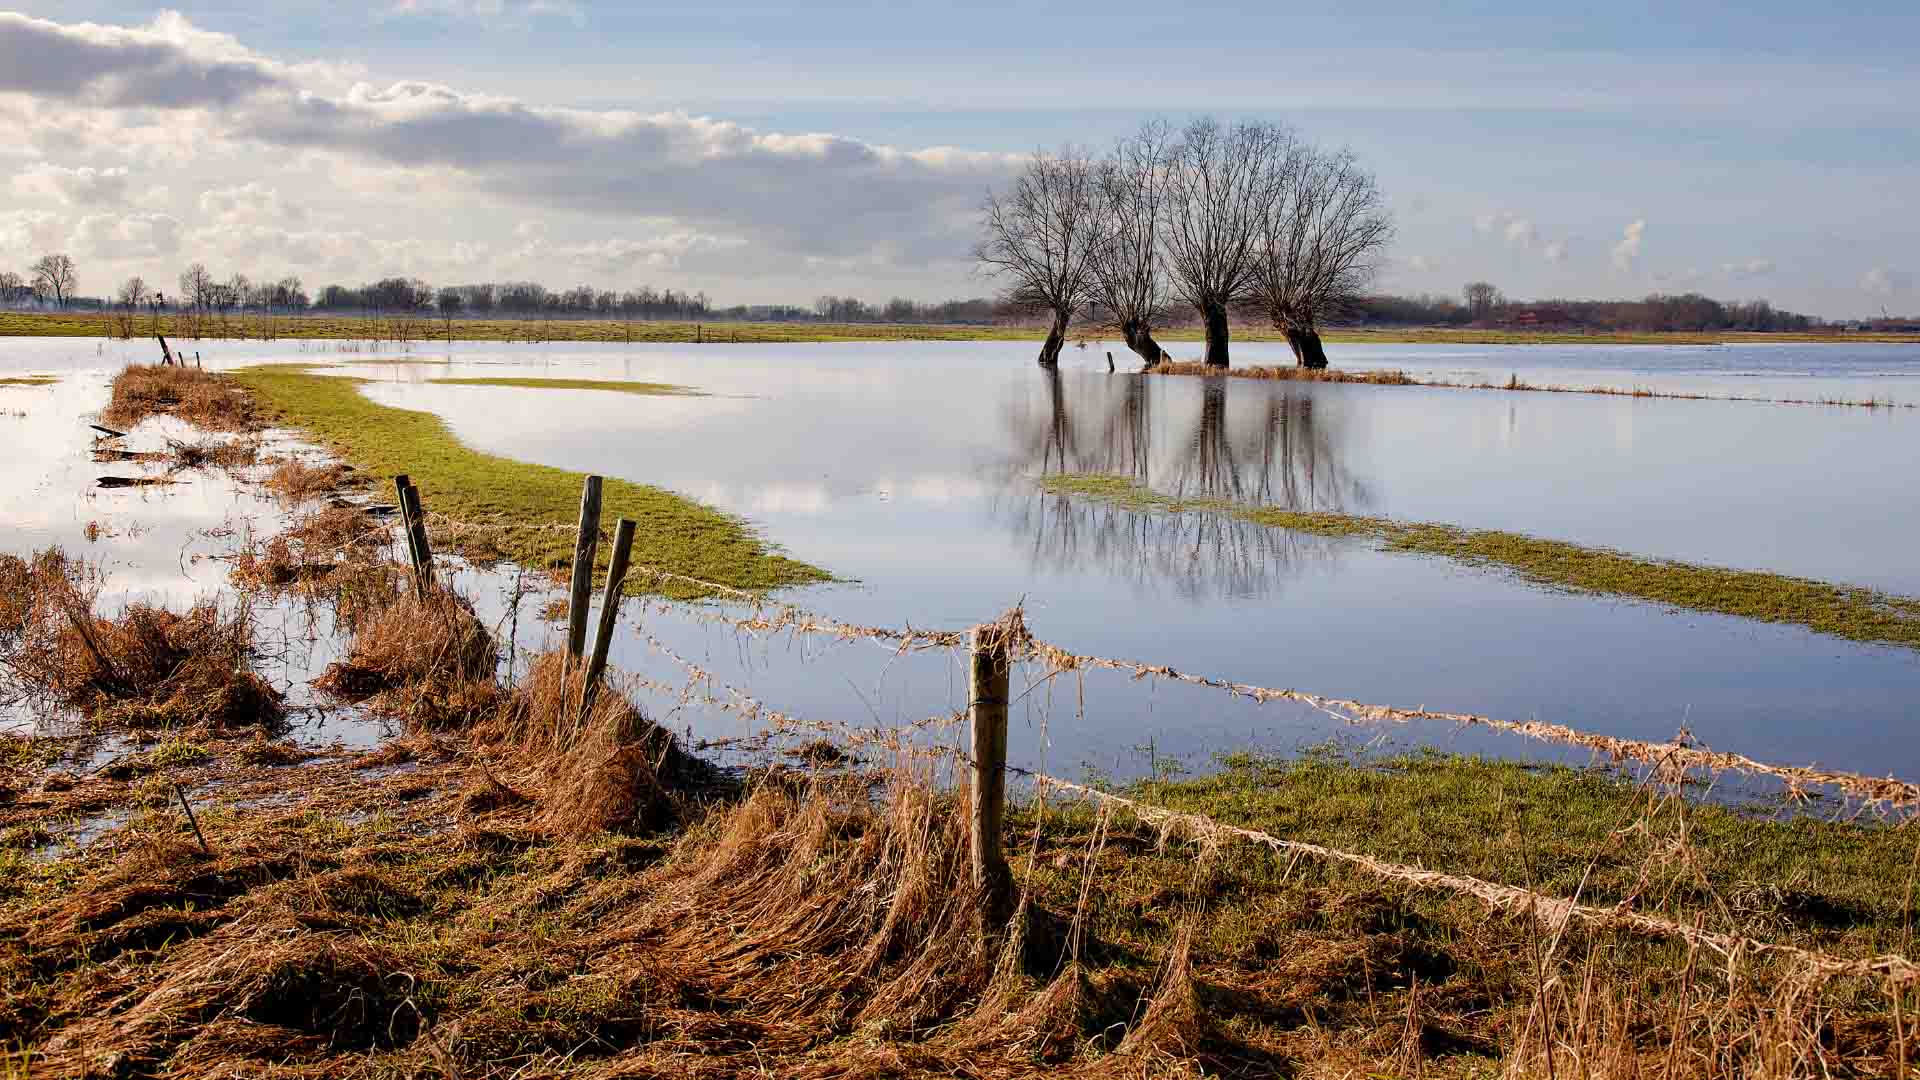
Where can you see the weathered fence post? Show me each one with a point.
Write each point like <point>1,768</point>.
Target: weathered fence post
<point>987,712</point>
<point>413,523</point>
<point>609,612</point>
<point>583,548</point>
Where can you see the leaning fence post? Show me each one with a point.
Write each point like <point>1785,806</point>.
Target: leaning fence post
<point>987,712</point>
<point>609,612</point>
<point>414,521</point>
<point>583,549</point>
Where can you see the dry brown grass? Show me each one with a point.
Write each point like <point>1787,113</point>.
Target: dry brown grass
<point>425,659</point>
<point>203,399</point>
<point>611,767</point>
<point>296,482</point>
<point>1287,374</point>
<point>147,667</point>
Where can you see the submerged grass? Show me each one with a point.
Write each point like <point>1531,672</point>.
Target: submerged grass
<point>1846,611</point>
<point>645,389</point>
<point>30,380</point>
<point>513,509</point>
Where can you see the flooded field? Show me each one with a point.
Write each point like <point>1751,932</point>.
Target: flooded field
<point>909,471</point>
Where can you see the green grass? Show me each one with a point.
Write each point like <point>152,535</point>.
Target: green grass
<point>674,533</point>
<point>427,330</point>
<point>645,389</point>
<point>1844,611</point>
<point>1823,883</point>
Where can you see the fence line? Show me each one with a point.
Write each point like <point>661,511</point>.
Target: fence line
<point>1553,911</point>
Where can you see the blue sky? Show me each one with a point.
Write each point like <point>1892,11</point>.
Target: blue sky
<point>1760,149</point>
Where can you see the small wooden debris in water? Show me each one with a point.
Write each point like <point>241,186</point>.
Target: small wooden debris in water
<point>107,432</point>
<point>132,481</point>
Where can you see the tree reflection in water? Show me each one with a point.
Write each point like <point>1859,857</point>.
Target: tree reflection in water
<point>1279,445</point>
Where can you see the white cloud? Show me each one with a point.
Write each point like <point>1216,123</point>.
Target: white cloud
<point>31,231</point>
<point>1750,268</point>
<point>169,63</point>
<point>1626,253</point>
<point>251,203</point>
<point>1418,264</point>
<point>1555,251</point>
<point>114,237</point>
<point>1885,281</point>
<point>82,186</point>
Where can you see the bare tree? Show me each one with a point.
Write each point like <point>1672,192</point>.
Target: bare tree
<point>133,293</point>
<point>1220,182</point>
<point>1127,279</point>
<point>1040,236</point>
<point>1320,244</point>
<point>1481,297</point>
<point>54,278</point>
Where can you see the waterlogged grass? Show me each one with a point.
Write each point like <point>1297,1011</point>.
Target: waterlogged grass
<point>644,389</point>
<point>30,380</point>
<point>1844,611</point>
<point>522,509</point>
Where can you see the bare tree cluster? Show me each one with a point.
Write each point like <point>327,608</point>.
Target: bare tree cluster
<point>1219,217</point>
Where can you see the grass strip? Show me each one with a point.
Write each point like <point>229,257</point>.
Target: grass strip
<point>30,380</point>
<point>1845,611</point>
<point>644,389</point>
<point>673,532</point>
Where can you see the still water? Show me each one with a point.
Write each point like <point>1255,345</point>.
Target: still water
<point>908,470</point>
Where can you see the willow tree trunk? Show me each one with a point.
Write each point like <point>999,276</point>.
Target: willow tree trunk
<point>1307,349</point>
<point>1140,339</point>
<point>1056,340</point>
<point>1216,318</point>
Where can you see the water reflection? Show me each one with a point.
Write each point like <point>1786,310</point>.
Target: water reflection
<point>1277,446</point>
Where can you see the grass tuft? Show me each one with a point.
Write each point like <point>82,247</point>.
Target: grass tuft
<point>644,389</point>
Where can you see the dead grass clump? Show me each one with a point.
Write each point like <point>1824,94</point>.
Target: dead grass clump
<point>613,768</point>
<point>295,481</point>
<point>211,454</point>
<point>201,398</point>
<point>149,667</point>
<point>426,659</point>
<point>337,554</point>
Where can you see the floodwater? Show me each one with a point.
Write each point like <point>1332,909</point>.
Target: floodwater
<point>908,470</point>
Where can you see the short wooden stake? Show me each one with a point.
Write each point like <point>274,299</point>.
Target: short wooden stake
<point>400,486</point>
<point>609,613</point>
<point>987,712</point>
<point>583,548</point>
<point>419,527</point>
<point>191,820</point>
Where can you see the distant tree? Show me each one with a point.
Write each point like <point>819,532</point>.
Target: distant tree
<point>1481,297</point>
<point>1221,182</point>
<point>54,278</point>
<point>196,289</point>
<point>132,296</point>
<point>449,303</point>
<point>12,287</point>
<point>1128,283</point>
<point>1319,244</point>
<point>1039,237</point>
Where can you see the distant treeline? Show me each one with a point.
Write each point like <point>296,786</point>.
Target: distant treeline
<point>1652,314</point>
<point>49,284</point>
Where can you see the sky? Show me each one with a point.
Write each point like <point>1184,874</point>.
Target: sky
<point>769,153</point>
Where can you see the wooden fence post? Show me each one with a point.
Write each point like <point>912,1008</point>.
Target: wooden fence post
<point>400,485</point>
<point>987,712</point>
<point>583,548</point>
<point>609,612</point>
<point>419,532</point>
